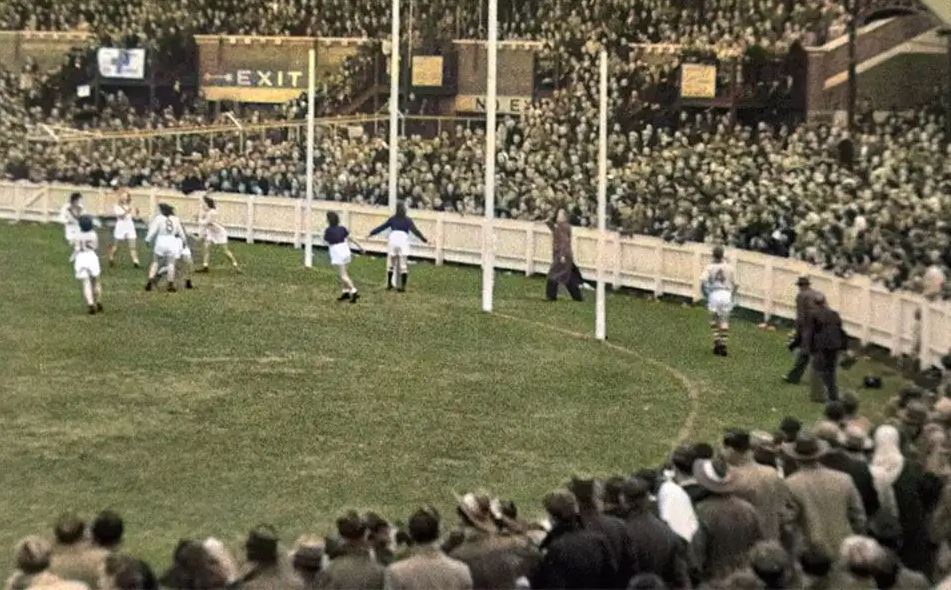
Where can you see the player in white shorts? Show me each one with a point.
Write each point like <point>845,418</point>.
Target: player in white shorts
<point>212,232</point>
<point>86,262</point>
<point>719,287</point>
<point>167,232</point>
<point>69,216</point>
<point>125,227</point>
<point>398,247</point>
<point>338,242</point>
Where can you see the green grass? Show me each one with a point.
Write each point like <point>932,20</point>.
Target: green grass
<point>258,398</point>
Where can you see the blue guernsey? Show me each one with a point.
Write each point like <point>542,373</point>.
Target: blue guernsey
<point>336,235</point>
<point>404,224</point>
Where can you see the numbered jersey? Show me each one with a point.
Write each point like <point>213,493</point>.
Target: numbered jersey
<point>163,227</point>
<point>86,241</point>
<point>718,276</point>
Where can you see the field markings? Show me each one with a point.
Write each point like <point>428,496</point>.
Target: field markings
<point>693,390</point>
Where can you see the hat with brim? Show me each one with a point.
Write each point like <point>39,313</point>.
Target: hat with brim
<point>477,508</point>
<point>915,413</point>
<point>714,475</point>
<point>856,440</point>
<point>803,282</point>
<point>806,448</point>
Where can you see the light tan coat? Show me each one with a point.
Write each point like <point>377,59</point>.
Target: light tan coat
<point>827,507</point>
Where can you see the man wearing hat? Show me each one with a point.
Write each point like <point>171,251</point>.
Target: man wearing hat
<point>827,507</point>
<point>825,340</point>
<point>573,556</point>
<point>494,560</point>
<point>265,567</point>
<point>657,548</point>
<point>352,566</point>
<point>805,304</point>
<point>838,460</point>
<point>759,485</point>
<point>729,525</point>
<point>74,558</point>
<point>32,556</point>
<point>588,493</point>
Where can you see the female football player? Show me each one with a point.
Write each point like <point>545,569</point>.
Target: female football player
<point>398,251</point>
<point>212,232</point>
<point>167,232</point>
<point>86,262</point>
<point>125,228</point>
<point>338,241</point>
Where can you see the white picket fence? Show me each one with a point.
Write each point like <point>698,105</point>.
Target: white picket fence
<point>767,283</point>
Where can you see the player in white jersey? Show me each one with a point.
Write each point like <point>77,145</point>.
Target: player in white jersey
<point>86,262</point>
<point>719,286</point>
<point>69,216</point>
<point>212,232</point>
<point>167,233</point>
<point>125,227</point>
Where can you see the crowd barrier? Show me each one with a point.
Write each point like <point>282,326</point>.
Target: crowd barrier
<point>870,312</point>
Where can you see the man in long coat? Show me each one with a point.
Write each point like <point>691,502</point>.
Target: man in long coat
<point>562,270</point>
<point>805,305</point>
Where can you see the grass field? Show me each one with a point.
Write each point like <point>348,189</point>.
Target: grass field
<point>258,398</point>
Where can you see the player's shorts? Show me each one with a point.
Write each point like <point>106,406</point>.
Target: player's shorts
<point>86,265</point>
<point>124,230</point>
<point>398,243</point>
<point>168,248</point>
<point>185,253</point>
<point>71,232</point>
<point>340,254</point>
<point>720,303</point>
<point>215,234</point>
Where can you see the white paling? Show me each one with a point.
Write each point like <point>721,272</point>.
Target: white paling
<point>488,230</point>
<point>600,319</point>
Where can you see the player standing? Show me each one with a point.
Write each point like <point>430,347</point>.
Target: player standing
<point>125,228</point>
<point>212,232</point>
<point>69,216</point>
<point>719,286</point>
<point>167,232</point>
<point>398,251</point>
<point>338,241</point>
<point>86,262</point>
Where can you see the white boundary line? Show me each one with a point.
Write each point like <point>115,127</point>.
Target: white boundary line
<point>693,390</point>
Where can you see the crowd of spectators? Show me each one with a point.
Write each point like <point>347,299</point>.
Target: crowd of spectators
<point>841,503</point>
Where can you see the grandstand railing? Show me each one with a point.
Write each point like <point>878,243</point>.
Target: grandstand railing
<point>870,312</point>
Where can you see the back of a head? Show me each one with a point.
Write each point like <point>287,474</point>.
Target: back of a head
<point>401,210</point>
<point>261,546</point>
<point>107,529</point>
<point>424,526</point>
<point>561,505</point>
<point>636,492</point>
<point>861,556</point>
<point>128,573</point>
<point>646,581</point>
<point>85,223</point>
<point>351,527</point>
<point>683,457</point>
<point>69,529</point>
<point>718,253</point>
<point>815,563</point>
<point>850,403</point>
<point>166,209</point>
<point>835,411</point>
<point>308,555</point>
<point>790,427</point>
<point>771,563</point>
<point>737,440</point>
<point>703,450</point>
<point>32,554</point>
<point>74,198</point>
<point>585,490</point>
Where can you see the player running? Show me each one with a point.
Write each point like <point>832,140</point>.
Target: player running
<point>338,241</point>
<point>125,228</point>
<point>212,232</point>
<point>86,262</point>
<point>719,287</point>
<point>167,232</point>
<point>398,250</point>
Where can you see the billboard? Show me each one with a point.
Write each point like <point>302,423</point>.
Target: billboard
<point>265,69</point>
<point>126,64</point>
<point>698,81</point>
<point>427,70</point>
<point>505,105</point>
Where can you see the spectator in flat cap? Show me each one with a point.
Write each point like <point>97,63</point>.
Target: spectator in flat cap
<point>379,536</point>
<point>73,557</point>
<point>264,567</point>
<point>838,460</point>
<point>588,493</point>
<point>353,566</point>
<point>729,525</point>
<point>827,507</point>
<point>32,556</point>
<point>494,560</point>
<point>658,549</point>
<point>759,485</point>
<point>572,556</point>
<point>427,567</point>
